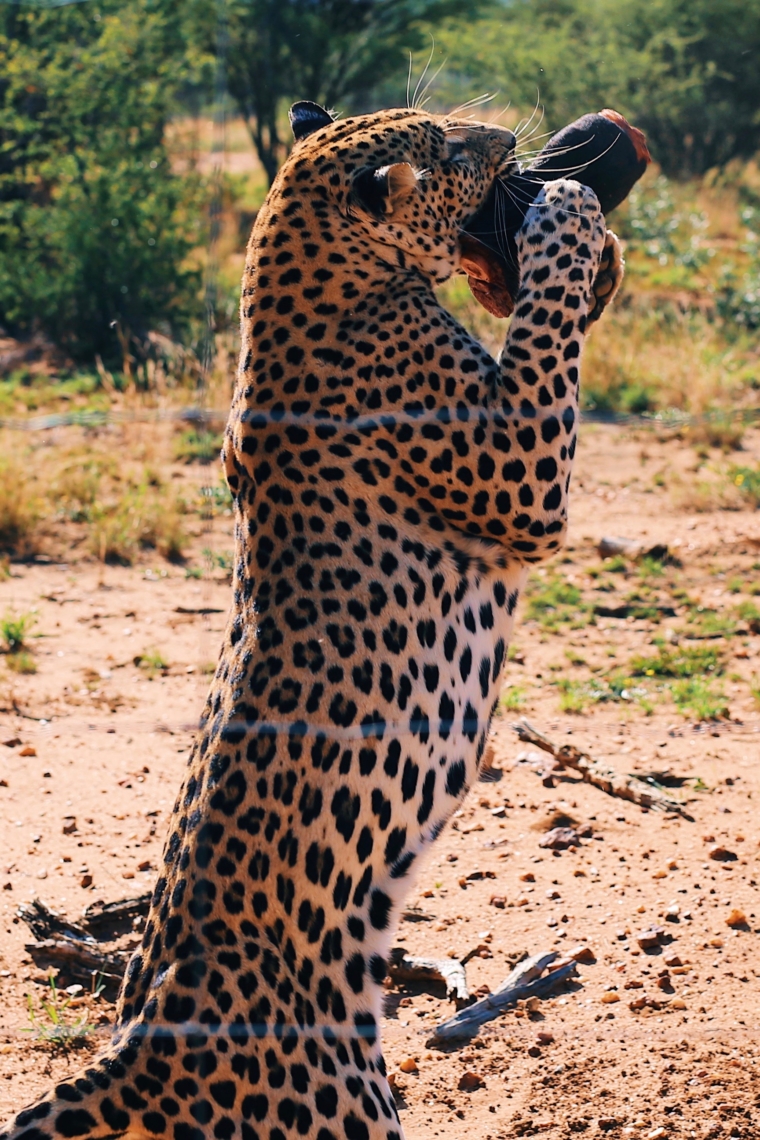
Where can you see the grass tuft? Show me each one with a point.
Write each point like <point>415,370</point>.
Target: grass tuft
<point>19,508</point>
<point>13,630</point>
<point>52,1023</point>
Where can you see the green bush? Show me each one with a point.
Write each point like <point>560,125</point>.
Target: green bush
<point>685,71</point>
<point>95,227</point>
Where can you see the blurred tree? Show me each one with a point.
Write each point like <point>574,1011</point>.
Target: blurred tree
<point>94,225</point>
<point>685,71</point>
<point>329,51</point>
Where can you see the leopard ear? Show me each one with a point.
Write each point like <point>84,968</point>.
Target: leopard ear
<point>306,117</point>
<point>380,191</point>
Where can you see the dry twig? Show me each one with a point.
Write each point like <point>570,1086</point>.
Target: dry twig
<point>624,786</point>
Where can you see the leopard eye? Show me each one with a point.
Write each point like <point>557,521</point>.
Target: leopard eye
<point>456,151</point>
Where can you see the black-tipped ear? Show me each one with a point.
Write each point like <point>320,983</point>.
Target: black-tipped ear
<point>380,191</point>
<point>306,117</point>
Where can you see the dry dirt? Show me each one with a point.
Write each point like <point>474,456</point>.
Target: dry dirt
<point>97,739</point>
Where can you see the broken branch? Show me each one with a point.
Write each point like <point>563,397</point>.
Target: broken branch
<point>626,787</point>
<point>525,981</point>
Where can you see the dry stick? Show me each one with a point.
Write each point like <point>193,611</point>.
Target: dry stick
<point>626,787</point>
<point>525,981</point>
<point>450,971</point>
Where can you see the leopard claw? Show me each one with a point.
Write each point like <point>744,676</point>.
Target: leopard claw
<point>608,279</point>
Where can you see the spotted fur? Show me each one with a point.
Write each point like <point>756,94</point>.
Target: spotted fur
<point>392,483</point>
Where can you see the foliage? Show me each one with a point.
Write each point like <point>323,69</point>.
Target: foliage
<point>554,601</point>
<point>13,630</point>
<point>152,661</point>
<point>672,66</point>
<point>747,479</point>
<point>19,509</point>
<point>677,662</point>
<point>52,1024</point>
<point>512,698</point>
<point>198,445</point>
<point>697,696</point>
<point>334,51</point>
<point>95,227</point>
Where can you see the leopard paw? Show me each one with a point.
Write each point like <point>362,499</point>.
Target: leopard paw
<point>608,278</point>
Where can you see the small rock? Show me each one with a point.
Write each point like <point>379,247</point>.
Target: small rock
<point>545,1038</point>
<point>144,866</point>
<point>534,1051</point>
<point>127,874</point>
<point>648,939</point>
<point>678,1003</point>
<point>656,1133</point>
<point>736,918</point>
<point>85,881</point>
<point>660,875</point>
<point>610,997</point>
<point>716,943</point>
<point>69,824</point>
<point>559,838</point>
<point>28,751</point>
<point>469,1081</point>
<point>528,877</point>
<point>498,901</point>
<point>722,854</point>
<point>672,960</point>
<point>12,743</point>
<point>581,954</point>
<point>8,886</point>
<point>409,1065</point>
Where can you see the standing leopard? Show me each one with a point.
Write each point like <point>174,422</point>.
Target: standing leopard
<point>392,484</point>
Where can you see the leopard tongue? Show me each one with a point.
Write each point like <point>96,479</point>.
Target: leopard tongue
<point>485,276</point>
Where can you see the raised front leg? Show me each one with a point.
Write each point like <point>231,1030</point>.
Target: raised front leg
<point>534,412</point>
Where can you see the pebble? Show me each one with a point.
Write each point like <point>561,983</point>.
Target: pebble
<point>736,918</point>
<point>610,997</point>
<point>470,1081</point>
<point>409,1065</point>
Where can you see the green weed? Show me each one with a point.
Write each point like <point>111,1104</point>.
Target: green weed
<point>747,479</point>
<point>678,662</point>
<point>754,688</point>
<point>710,623</point>
<point>575,696</point>
<point>198,446</point>
<point>554,602</point>
<point>52,1023</point>
<point>512,699</point>
<point>696,696</point>
<point>748,612</point>
<point>152,662</point>
<point>216,560</point>
<point>21,662</point>
<point>616,565</point>
<point>650,568</point>
<point>13,630</point>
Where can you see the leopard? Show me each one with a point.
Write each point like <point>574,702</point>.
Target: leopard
<point>393,483</point>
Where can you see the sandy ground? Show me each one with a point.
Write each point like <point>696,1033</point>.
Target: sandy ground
<point>92,738</point>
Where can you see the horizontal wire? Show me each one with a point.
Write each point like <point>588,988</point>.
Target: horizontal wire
<point>170,728</point>
<point>670,418</point>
